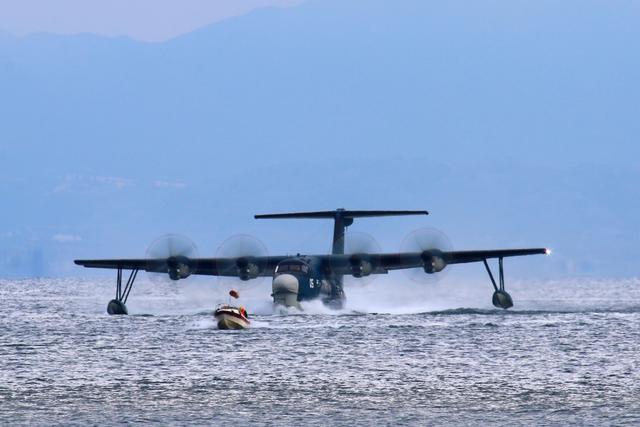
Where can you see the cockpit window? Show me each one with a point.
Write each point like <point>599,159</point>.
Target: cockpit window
<point>292,267</point>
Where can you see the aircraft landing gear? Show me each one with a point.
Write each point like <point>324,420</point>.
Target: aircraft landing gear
<point>500,299</point>
<point>117,305</point>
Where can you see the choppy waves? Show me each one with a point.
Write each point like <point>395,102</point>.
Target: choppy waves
<point>399,353</point>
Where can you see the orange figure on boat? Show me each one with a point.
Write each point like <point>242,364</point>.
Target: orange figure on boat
<point>230,317</point>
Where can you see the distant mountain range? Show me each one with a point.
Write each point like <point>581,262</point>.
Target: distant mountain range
<point>515,123</point>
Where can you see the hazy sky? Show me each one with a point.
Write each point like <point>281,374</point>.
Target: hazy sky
<point>515,123</point>
<point>148,20</point>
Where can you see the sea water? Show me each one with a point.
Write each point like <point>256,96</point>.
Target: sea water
<point>399,353</point>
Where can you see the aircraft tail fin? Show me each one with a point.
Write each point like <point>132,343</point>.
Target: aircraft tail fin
<point>342,219</point>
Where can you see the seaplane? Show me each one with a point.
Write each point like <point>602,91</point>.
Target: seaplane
<point>297,278</point>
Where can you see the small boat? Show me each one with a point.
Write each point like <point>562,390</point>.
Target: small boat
<point>230,317</point>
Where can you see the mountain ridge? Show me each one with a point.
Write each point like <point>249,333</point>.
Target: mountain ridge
<point>363,104</point>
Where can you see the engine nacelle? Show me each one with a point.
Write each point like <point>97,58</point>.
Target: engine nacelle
<point>360,267</point>
<point>178,268</point>
<point>433,261</point>
<point>247,270</point>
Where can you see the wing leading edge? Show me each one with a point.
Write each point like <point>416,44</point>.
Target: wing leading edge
<point>336,264</point>
<point>201,266</point>
<point>384,262</point>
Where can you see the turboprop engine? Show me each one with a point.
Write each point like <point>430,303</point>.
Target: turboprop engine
<point>360,266</point>
<point>178,267</point>
<point>243,256</point>
<point>247,269</point>
<point>171,256</point>
<point>433,261</point>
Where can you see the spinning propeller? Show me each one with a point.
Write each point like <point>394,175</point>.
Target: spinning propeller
<point>431,243</point>
<point>361,247</point>
<point>250,256</point>
<point>170,257</point>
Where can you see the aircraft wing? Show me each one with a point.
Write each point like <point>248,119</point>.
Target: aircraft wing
<point>229,266</point>
<point>458,257</point>
<point>124,264</point>
<point>202,266</point>
<point>383,263</point>
<point>182,267</point>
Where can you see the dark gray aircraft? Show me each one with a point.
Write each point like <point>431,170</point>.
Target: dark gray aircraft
<point>305,277</point>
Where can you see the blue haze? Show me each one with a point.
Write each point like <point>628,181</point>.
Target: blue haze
<point>514,123</point>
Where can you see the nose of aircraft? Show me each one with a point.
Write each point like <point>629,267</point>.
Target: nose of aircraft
<point>285,290</point>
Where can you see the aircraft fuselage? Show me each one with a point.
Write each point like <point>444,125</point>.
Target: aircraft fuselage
<point>302,278</point>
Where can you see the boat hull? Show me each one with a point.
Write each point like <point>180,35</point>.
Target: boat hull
<point>231,319</point>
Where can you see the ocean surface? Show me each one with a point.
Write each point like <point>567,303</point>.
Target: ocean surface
<point>401,353</point>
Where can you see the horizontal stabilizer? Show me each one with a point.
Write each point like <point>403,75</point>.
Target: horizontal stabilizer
<point>340,213</point>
